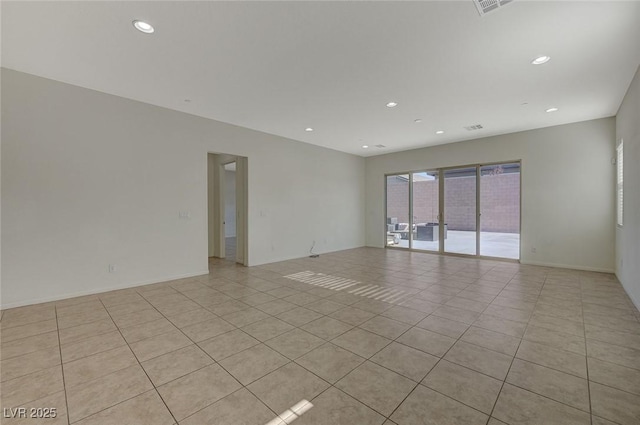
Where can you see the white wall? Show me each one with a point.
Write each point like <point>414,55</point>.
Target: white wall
<point>567,195</point>
<point>628,236</point>
<point>90,179</point>
<point>229,203</point>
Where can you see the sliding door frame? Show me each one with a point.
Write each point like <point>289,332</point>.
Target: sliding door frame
<point>441,218</point>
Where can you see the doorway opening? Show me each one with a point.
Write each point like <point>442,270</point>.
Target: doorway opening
<point>227,207</point>
<point>230,210</point>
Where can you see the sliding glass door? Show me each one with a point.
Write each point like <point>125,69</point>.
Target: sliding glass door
<point>470,210</point>
<point>500,210</point>
<point>460,210</point>
<point>398,226</point>
<point>426,210</point>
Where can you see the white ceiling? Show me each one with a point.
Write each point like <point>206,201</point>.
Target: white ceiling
<point>280,67</point>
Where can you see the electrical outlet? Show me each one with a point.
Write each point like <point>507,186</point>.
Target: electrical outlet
<point>533,250</point>
<point>112,268</point>
<point>185,215</point>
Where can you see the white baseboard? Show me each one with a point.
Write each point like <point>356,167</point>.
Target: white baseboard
<point>98,291</point>
<point>567,266</point>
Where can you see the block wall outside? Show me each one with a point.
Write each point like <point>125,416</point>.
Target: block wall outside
<point>500,202</point>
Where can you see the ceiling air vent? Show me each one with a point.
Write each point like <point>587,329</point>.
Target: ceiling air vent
<point>474,127</point>
<point>486,6</point>
<point>380,146</point>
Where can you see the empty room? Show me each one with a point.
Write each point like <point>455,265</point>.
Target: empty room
<point>320,212</point>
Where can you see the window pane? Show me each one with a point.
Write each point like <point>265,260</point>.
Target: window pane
<point>500,210</point>
<point>398,211</point>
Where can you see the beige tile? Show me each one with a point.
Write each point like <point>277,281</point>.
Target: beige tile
<point>361,342</point>
<point>268,328</point>
<point>448,327</point>
<point>337,408</point>
<point>326,327</point>
<point>495,341</point>
<point>91,345</point>
<point>377,387</point>
<point>245,317</point>
<point>505,326</point>
<point>253,363</point>
<point>467,304</point>
<point>385,327</point>
<point>197,390</point>
<point>159,345</point>
<point>147,330</point>
<point>191,317</point>
<point>324,306</point>
<point>33,362</point>
<point>301,299</point>
<point>176,364</point>
<point>80,332</point>
<point>299,316</point>
<point>465,385</point>
<point>19,347</point>
<point>55,401</point>
<point>207,329</point>
<point>427,407</point>
<point>373,306</point>
<point>330,362</point>
<point>480,359</point>
<point>624,339</point>
<point>554,358</point>
<point>559,386</point>
<point>145,409</point>
<point>557,339</point>
<point>239,408</point>
<point>404,314</point>
<point>427,341</point>
<point>228,307</point>
<point>615,405</point>
<point>89,368</point>
<point>27,330</point>
<point>276,307</point>
<point>295,343</point>
<point>421,304</point>
<point>18,391</point>
<point>458,314</point>
<point>516,406</point>
<point>136,318</point>
<point>94,396</point>
<point>407,361</point>
<point>351,315</point>
<point>228,344</point>
<point>614,353</point>
<point>27,315</point>
<point>613,375</point>
<point>287,385</point>
<point>558,324</point>
<point>82,318</point>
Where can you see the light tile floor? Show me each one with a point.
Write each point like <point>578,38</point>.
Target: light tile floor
<point>467,341</point>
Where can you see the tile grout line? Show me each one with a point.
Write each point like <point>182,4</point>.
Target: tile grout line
<point>64,384</point>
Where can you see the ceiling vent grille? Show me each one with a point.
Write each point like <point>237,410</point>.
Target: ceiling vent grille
<point>474,127</point>
<point>486,6</point>
<point>380,146</point>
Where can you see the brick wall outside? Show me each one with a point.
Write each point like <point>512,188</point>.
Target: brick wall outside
<point>500,202</point>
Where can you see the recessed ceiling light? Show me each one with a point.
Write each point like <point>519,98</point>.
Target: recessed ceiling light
<point>308,129</point>
<point>418,121</point>
<point>440,132</point>
<point>365,146</point>
<point>392,104</point>
<point>552,109</point>
<point>540,60</point>
<point>143,26</point>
